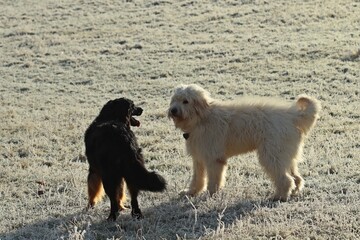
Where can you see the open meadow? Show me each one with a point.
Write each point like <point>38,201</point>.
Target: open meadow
<point>61,61</point>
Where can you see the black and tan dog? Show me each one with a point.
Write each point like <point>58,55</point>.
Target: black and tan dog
<point>114,157</point>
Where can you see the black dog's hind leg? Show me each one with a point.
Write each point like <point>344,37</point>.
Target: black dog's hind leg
<point>135,210</point>
<point>111,184</point>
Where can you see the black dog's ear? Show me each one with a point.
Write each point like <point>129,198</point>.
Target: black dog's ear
<point>106,111</point>
<point>118,110</point>
<point>123,110</point>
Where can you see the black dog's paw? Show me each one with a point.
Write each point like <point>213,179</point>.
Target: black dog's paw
<point>113,216</point>
<point>136,213</point>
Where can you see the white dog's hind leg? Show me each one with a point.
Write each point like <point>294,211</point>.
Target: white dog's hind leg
<point>198,179</point>
<point>216,174</point>
<point>284,184</point>
<point>299,181</point>
<point>278,168</point>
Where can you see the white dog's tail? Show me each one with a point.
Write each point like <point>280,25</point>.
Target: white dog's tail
<point>308,109</point>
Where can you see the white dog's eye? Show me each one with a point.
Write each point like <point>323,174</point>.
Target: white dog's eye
<point>185,102</point>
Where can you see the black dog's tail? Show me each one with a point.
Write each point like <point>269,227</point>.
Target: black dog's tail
<point>142,179</point>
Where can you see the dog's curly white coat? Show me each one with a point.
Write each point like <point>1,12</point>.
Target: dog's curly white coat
<point>219,130</point>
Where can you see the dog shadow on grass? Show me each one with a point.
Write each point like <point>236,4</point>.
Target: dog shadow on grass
<point>192,218</point>
<point>182,217</point>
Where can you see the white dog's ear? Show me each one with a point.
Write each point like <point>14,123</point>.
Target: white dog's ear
<point>201,105</point>
<point>201,99</point>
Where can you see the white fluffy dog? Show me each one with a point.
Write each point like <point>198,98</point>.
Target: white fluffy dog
<point>215,131</point>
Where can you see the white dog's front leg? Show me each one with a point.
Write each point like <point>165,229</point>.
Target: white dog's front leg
<point>198,179</point>
<point>216,174</point>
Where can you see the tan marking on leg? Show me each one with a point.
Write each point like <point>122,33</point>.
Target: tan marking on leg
<point>122,195</point>
<point>95,189</point>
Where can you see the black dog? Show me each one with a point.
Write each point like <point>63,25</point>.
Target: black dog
<point>114,156</point>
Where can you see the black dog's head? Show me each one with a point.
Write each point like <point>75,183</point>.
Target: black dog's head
<point>122,110</point>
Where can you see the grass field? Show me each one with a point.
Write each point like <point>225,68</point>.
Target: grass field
<point>62,60</point>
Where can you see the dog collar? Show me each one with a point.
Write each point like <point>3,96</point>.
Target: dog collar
<point>186,135</point>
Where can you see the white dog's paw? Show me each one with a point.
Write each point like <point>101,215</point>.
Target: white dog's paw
<point>278,198</point>
<point>188,192</point>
